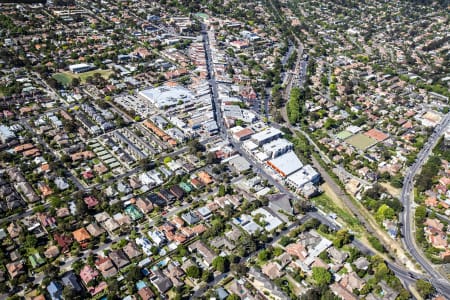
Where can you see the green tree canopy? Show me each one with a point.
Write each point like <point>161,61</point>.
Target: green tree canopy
<point>384,212</point>
<point>321,276</point>
<point>194,272</point>
<point>221,264</point>
<point>424,288</point>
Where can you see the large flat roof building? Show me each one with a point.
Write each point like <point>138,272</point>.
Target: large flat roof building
<point>165,96</point>
<point>266,136</point>
<point>80,68</point>
<point>277,147</point>
<point>303,176</point>
<point>6,134</point>
<point>286,164</point>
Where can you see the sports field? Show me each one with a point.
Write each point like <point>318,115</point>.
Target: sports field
<point>65,78</point>
<point>344,135</point>
<point>361,142</point>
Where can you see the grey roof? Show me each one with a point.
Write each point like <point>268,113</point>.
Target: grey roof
<point>221,293</point>
<point>119,258</point>
<point>71,280</point>
<point>190,218</point>
<point>162,283</point>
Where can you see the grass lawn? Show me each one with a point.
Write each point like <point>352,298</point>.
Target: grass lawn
<point>65,78</point>
<point>361,141</point>
<point>326,204</point>
<point>104,73</point>
<point>344,135</point>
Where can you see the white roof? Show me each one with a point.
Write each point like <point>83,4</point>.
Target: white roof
<point>78,66</point>
<point>249,145</point>
<point>251,227</point>
<point>276,145</point>
<point>261,156</point>
<point>299,179</point>
<point>272,221</point>
<point>266,134</point>
<point>6,132</point>
<point>287,163</point>
<point>263,192</point>
<point>204,211</point>
<point>353,129</point>
<point>167,96</point>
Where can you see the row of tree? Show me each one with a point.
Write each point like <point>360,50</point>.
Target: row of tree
<point>295,106</point>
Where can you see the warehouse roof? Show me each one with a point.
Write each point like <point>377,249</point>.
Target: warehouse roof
<point>286,164</point>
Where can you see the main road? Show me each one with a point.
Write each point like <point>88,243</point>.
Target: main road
<point>439,281</point>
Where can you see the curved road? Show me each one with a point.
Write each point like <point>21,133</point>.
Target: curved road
<point>439,281</point>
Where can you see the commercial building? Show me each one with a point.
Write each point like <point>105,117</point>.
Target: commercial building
<point>165,96</point>
<point>243,134</point>
<point>300,178</point>
<point>6,135</point>
<point>277,147</point>
<point>286,164</point>
<point>240,164</point>
<point>266,136</point>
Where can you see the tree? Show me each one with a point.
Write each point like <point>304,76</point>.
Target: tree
<point>375,192</point>
<point>239,269</point>
<point>384,212</point>
<point>195,146</point>
<point>194,272</point>
<point>30,241</point>
<point>323,228</point>
<point>51,271</point>
<point>321,276</point>
<point>343,237</point>
<point>404,295</point>
<point>222,191</point>
<point>134,274</point>
<point>397,181</point>
<point>420,214</point>
<point>207,276</point>
<point>381,271</point>
<point>211,158</point>
<point>376,243</point>
<point>77,265</point>
<point>294,107</point>
<point>70,293</point>
<point>182,251</point>
<point>233,297</point>
<point>284,241</point>
<point>154,250</point>
<point>424,288</point>
<point>81,207</point>
<point>75,82</point>
<point>264,255</point>
<point>221,264</point>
